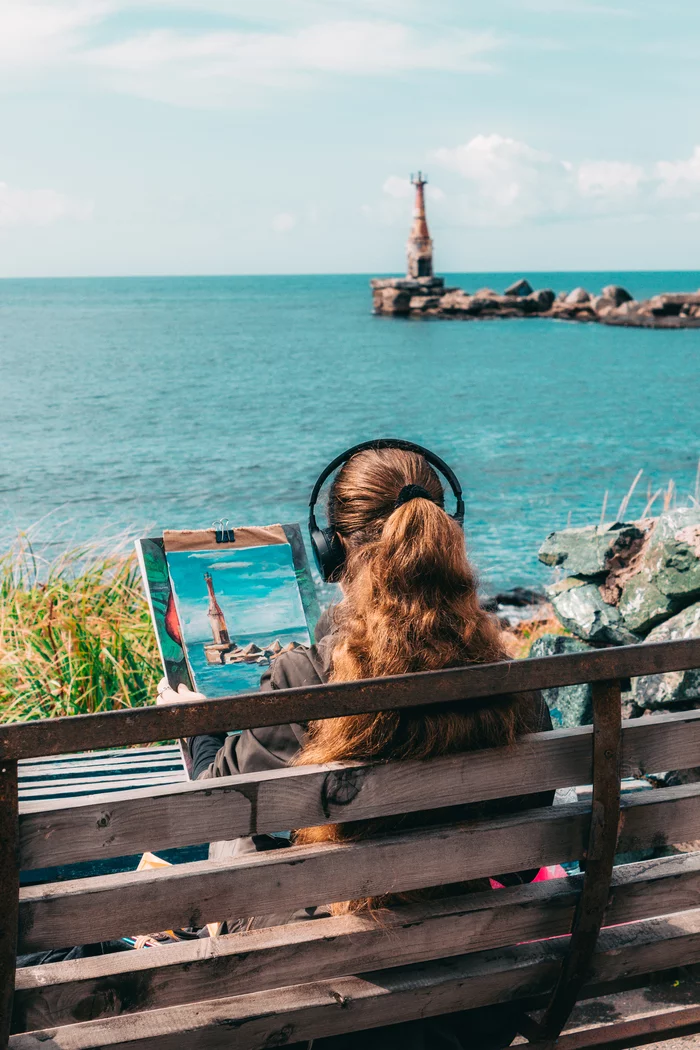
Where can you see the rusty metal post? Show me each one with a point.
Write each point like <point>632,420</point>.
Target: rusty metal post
<point>9,891</point>
<point>600,856</point>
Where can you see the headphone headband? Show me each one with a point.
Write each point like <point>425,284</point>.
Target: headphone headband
<point>326,546</point>
<point>404,446</point>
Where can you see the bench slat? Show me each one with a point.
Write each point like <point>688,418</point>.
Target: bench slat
<point>62,993</point>
<point>85,910</point>
<point>157,751</point>
<point>227,807</point>
<point>310,1011</point>
<point>134,726</point>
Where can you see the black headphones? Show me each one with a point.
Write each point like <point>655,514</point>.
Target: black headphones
<point>325,543</point>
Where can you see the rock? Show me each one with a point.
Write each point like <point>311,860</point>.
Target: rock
<point>456,302</point>
<point>421,303</point>
<point>392,301</point>
<point>588,551</point>
<point>642,605</point>
<point>521,287</point>
<point>486,293</point>
<point>602,305</point>
<point>617,293</point>
<point>669,571</point>
<point>578,295</point>
<point>674,687</point>
<point>520,597</point>
<point>665,306</point>
<point>581,609</point>
<point>541,300</point>
<point>569,705</point>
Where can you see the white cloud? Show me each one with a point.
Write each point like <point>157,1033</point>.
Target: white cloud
<point>504,182</point>
<point>20,207</point>
<point>680,178</point>
<point>284,222</point>
<point>39,33</point>
<point>604,178</point>
<point>509,181</point>
<point>231,68</point>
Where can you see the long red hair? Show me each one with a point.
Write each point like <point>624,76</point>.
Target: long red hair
<point>410,604</point>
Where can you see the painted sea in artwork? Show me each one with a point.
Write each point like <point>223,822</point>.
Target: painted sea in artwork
<point>151,403</point>
<point>237,609</point>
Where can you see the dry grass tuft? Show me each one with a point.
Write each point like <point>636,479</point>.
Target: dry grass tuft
<point>523,634</point>
<point>75,634</point>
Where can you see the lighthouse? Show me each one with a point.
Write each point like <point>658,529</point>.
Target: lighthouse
<point>419,249</point>
<point>215,615</point>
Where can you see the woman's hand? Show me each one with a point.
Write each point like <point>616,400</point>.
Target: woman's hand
<point>167,695</point>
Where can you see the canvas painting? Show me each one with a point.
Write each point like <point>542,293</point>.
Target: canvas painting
<point>238,610</point>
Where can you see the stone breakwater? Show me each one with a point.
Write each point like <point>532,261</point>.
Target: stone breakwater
<point>621,584</point>
<point>428,297</point>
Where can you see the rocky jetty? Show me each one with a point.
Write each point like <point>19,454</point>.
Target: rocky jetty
<point>429,297</point>
<point>621,584</point>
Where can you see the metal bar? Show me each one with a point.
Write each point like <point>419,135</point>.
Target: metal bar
<point>9,892</point>
<point>600,857</point>
<point>622,1035</point>
<point>112,728</point>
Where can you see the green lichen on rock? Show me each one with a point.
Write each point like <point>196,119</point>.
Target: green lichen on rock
<point>669,572</point>
<point>569,705</point>
<point>673,687</point>
<point>581,609</point>
<point>588,551</point>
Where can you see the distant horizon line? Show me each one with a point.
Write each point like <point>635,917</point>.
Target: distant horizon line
<point>522,271</point>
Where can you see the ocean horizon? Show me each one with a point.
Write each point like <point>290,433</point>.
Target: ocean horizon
<point>137,403</point>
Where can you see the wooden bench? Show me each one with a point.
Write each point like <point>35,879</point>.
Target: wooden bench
<point>540,944</point>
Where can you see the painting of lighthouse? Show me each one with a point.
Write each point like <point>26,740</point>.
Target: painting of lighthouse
<point>238,609</point>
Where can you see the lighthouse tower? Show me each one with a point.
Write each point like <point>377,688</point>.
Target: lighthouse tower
<point>419,249</point>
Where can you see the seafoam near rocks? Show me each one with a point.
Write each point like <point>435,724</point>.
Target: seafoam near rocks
<point>630,582</point>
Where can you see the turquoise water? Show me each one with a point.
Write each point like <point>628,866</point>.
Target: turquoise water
<point>144,402</point>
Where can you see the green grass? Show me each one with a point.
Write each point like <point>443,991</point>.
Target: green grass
<point>75,634</point>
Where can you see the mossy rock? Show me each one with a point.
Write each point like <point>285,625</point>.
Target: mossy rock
<point>569,705</point>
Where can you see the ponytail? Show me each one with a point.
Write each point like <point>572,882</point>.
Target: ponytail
<point>410,604</point>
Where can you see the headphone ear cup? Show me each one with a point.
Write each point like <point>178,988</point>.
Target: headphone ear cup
<point>328,552</point>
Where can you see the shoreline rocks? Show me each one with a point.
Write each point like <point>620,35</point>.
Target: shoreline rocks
<point>429,297</point>
<point>628,583</point>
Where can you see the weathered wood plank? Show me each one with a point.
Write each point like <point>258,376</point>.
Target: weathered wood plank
<point>110,985</point>
<point>120,780</point>
<point>228,807</point>
<point>108,753</point>
<point>670,1022</point>
<point>469,684</point>
<point>75,769</point>
<point>9,891</point>
<point>310,1011</point>
<point>83,910</point>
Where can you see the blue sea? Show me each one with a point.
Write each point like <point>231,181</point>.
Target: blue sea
<point>129,404</point>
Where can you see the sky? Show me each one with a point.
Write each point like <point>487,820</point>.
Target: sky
<point>228,137</point>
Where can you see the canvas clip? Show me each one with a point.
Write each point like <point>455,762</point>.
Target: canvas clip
<point>222,532</point>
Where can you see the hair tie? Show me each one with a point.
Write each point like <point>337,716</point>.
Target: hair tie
<point>409,492</point>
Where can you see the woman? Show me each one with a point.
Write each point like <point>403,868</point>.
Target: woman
<point>409,604</point>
